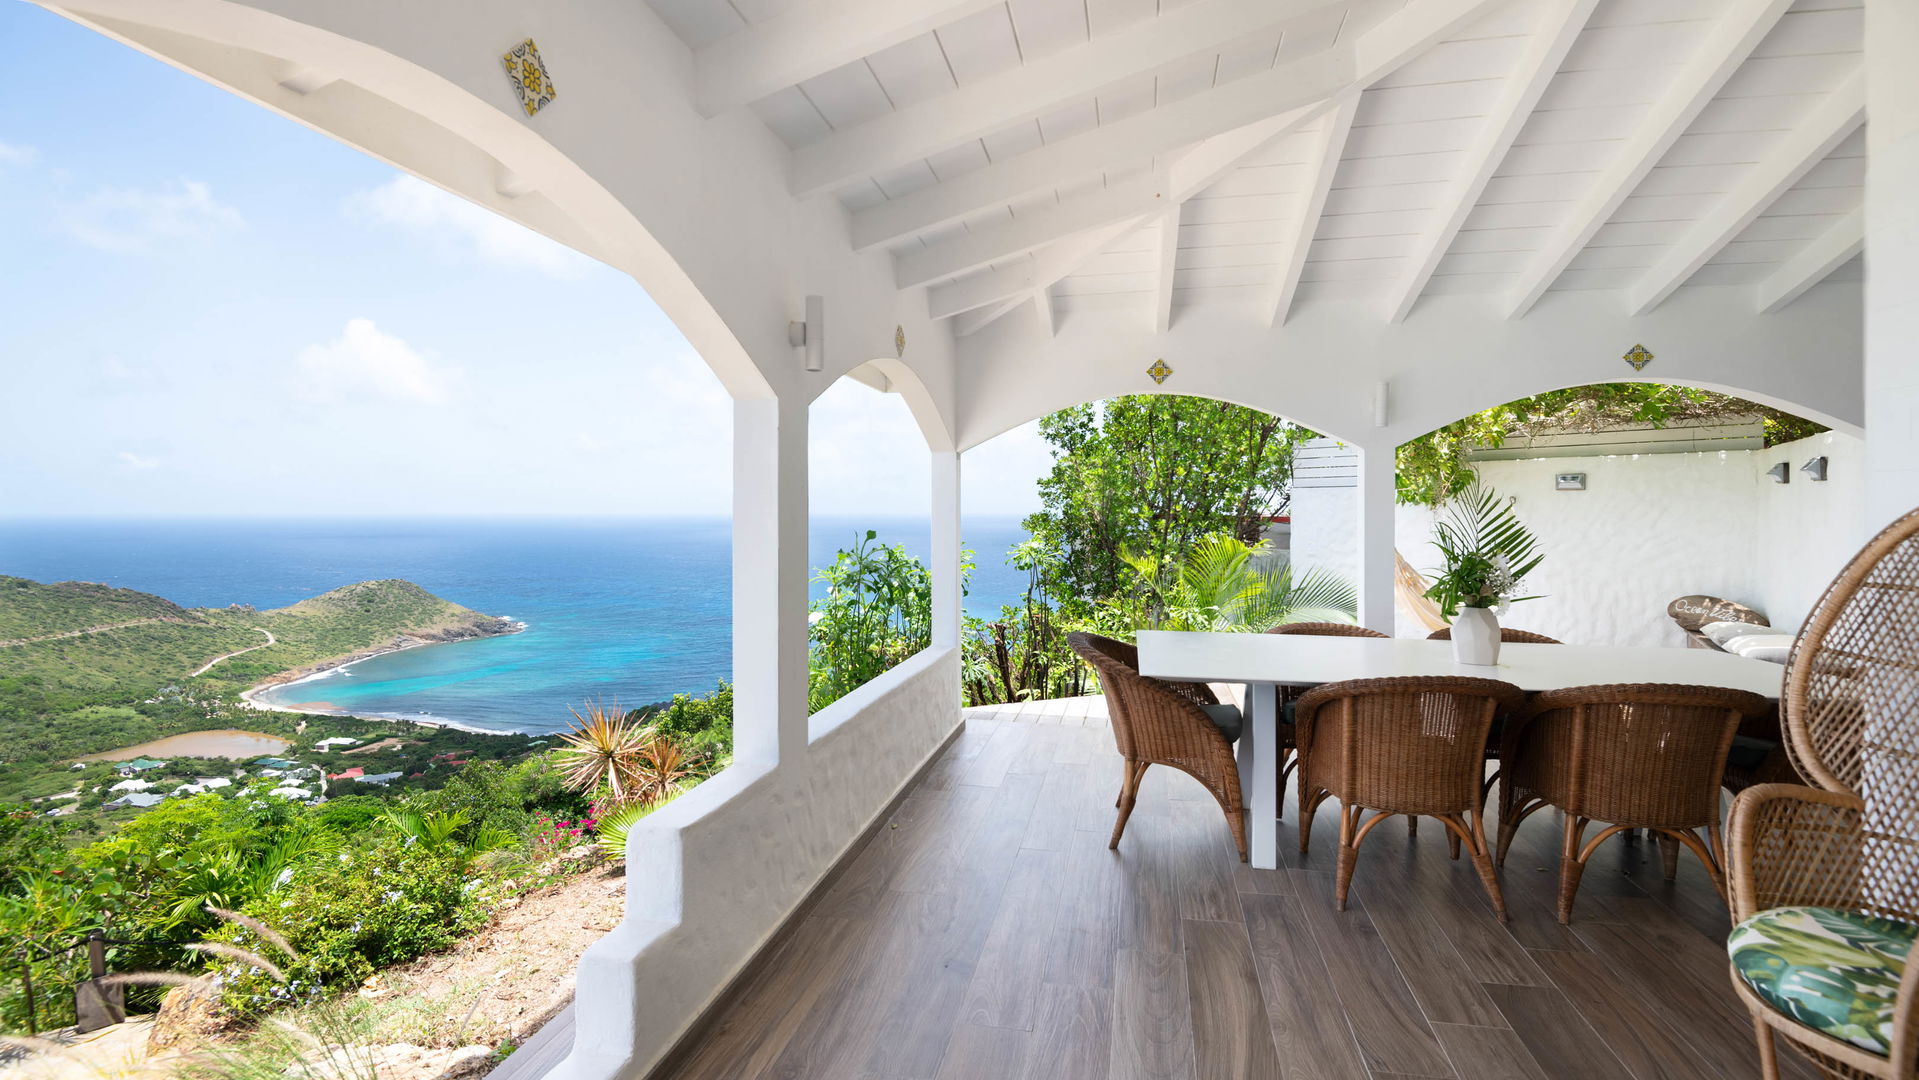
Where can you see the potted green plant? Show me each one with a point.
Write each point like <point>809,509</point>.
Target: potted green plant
<point>1487,554</point>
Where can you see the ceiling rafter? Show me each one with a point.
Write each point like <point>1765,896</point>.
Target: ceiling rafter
<point>1195,171</point>
<point>1031,230</point>
<point>1032,90</point>
<point>1828,252</point>
<point>809,40</point>
<point>1332,146</point>
<point>1166,269</point>
<point>1370,57</point>
<point>1376,54</point>
<point>1727,46</point>
<point>1554,38</point>
<point>1011,285</point>
<point>1837,117</point>
<point>1151,133</point>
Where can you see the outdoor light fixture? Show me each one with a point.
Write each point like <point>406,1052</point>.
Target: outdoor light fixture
<point>1781,473</point>
<point>1815,467</point>
<point>811,334</point>
<point>1382,402</point>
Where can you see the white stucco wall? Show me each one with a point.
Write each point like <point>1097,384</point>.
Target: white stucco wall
<point>1647,528</point>
<point>714,874</point>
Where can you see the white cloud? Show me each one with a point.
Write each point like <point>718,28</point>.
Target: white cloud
<point>137,462</point>
<point>364,363</point>
<point>136,219</point>
<point>461,228</point>
<point>12,154</point>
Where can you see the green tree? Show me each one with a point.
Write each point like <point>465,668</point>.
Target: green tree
<point>1151,475</point>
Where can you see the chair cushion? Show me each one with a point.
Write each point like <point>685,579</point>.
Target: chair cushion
<point>1226,718</point>
<point>1834,971</point>
<point>1749,753</point>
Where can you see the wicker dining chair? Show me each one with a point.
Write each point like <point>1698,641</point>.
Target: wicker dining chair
<point>1158,722</point>
<point>1413,746</point>
<point>1507,635</point>
<point>1288,748</point>
<point>1326,629</point>
<point>1836,864</point>
<point>1633,756</point>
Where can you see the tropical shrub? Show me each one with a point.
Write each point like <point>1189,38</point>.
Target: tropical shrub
<point>353,914</point>
<point>1224,583</point>
<point>704,725</point>
<point>877,611</point>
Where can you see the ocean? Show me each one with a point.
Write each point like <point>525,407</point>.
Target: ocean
<point>627,610</point>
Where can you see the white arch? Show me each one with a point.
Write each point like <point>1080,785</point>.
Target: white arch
<point>417,120</point>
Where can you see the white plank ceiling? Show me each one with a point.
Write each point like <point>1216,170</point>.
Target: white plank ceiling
<point>1141,157</point>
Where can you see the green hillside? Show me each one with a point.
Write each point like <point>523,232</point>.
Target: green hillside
<point>69,636</point>
<point>30,609</point>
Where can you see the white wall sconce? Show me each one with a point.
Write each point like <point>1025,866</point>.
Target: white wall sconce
<point>1382,402</point>
<point>1815,468</point>
<point>1569,481</point>
<point>1781,473</point>
<point>811,334</point>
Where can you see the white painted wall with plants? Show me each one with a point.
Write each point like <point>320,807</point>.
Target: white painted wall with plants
<point>1646,529</point>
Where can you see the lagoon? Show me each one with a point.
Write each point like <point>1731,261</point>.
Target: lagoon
<point>225,743</point>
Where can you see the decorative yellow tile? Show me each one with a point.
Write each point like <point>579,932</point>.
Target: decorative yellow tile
<point>1638,357</point>
<point>527,72</point>
<point>899,340</point>
<point>1159,371</point>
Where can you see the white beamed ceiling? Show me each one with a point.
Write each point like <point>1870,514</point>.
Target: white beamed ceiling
<point>1410,147</point>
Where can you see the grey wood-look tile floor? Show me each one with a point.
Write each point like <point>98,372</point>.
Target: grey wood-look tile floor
<point>986,931</point>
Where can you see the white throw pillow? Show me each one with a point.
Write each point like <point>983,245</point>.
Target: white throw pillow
<point>1760,646</point>
<point>1722,632</point>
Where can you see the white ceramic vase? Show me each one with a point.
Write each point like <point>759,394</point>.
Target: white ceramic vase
<point>1476,637</point>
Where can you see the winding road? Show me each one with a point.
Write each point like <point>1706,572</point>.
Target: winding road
<point>231,655</point>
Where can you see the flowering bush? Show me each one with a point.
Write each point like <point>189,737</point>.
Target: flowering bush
<point>551,837</point>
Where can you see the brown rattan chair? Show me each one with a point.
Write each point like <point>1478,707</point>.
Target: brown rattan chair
<point>1851,840</point>
<point>1288,758</point>
<point>1635,756</point>
<point>1506,634</point>
<point>1400,746</point>
<point>1157,722</point>
<point>1326,629</point>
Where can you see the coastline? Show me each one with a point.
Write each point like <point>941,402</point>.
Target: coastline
<point>328,667</point>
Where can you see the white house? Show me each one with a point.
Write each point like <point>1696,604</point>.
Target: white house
<point>1369,217</point>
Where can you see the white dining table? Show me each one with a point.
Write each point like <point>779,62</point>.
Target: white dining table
<point>1265,662</point>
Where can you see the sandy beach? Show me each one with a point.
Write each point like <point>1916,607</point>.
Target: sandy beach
<point>332,668</point>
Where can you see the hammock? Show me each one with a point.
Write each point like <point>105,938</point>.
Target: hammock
<point>1411,587</point>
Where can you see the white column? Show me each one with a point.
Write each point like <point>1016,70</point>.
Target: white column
<point>1377,493</point>
<point>945,550</point>
<point>769,580</point>
<point>1892,260</point>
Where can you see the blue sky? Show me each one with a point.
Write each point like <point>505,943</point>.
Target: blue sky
<point>212,310</point>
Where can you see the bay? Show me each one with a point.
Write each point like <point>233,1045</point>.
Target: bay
<point>631,610</point>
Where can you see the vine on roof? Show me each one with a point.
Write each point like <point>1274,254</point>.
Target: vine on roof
<point>1434,466</point>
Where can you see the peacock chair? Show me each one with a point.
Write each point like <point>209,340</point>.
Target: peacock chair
<point>1825,878</point>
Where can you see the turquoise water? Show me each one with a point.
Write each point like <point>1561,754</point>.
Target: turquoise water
<point>631,610</point>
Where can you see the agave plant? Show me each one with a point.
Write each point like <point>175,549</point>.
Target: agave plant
<point>603,747</point>
<point>663,769</point>
<point>1220,586</point>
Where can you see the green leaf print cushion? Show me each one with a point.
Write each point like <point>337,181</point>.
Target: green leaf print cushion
<point>1834,971</point>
